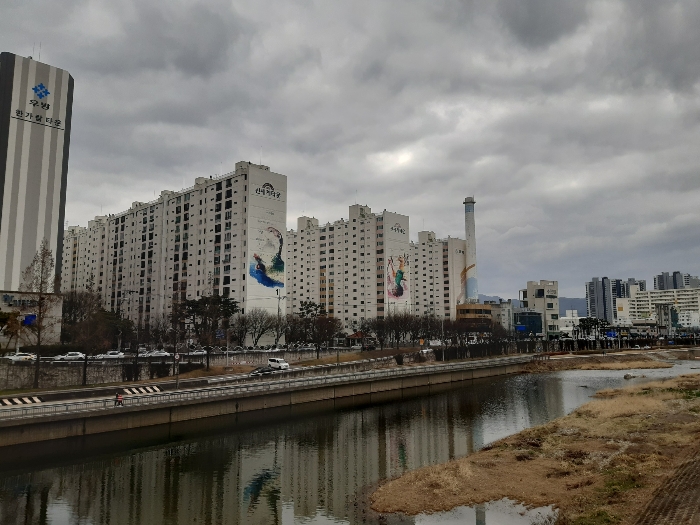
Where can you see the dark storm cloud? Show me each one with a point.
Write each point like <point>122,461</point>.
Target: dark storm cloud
<point>537,23</point>
<point>574,124</point>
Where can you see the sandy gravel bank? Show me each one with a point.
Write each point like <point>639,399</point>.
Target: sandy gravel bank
<point>600,464</point>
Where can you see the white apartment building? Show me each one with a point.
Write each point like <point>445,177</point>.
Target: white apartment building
<point>357,268</point>
<point>502,313</point>
<point>438,277</point>
<point>224,235</point>
<point>642,304</point>
<point>84,255</point>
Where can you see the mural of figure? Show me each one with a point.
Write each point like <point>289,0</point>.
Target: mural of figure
<point>269,274</point>
<point>396,283</point>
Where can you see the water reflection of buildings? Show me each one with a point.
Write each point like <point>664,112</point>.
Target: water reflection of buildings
<point>311,468</point>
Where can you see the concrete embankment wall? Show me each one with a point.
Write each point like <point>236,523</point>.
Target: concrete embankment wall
<point>178,419</point>
<point>16,376</point>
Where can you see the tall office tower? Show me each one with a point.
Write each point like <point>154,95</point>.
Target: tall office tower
<point>471,284</point>
<point>599,300</point>
<point>35,117</point>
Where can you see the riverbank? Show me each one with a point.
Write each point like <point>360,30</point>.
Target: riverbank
<point>601,464</point>
<point>597,362</point>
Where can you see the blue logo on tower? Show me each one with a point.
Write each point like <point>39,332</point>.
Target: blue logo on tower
<point>41,91</point>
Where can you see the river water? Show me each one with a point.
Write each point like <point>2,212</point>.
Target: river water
<point>314,470</point>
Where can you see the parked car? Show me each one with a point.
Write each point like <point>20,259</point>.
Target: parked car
<point>261,371</point>
<point>277,363</point>
<point>199,351</point>
<point>112,354</point>
<point>21,356</point>
<point>70,356</point>
<point>160,353</point>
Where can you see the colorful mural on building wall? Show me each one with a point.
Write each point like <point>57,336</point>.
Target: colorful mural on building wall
<point>397,278</point>
<point>266,263</point>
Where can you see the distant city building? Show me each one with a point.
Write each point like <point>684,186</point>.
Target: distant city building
<point>568,323</point>
<point>602,296</point>
<point>222,236</point>
<point>675,281</point>
<point>478,316</point>
<point>543,297</point>
<point>642,304</point>
<point>599,299</point>
<point>502,313</point>
<point>35,120</point>
<point>527,322</point>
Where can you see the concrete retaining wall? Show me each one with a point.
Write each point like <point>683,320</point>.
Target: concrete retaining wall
<point>16,376</point>
<point>22,432</point>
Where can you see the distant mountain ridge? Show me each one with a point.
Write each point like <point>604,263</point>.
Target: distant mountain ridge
<point>572,303</point>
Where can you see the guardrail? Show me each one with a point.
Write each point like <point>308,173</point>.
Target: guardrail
<point>100,405</point>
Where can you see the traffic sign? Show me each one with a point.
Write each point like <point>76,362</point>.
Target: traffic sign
<point>177,357</point>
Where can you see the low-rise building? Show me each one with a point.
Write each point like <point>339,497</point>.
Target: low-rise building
<point>502,313</point>
<point>19,315</point>
<point>569,323</point>
<point>543,297</point>
<point>527,322</point>
<point>477,316</point>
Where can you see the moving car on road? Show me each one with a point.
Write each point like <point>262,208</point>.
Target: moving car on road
<point>112,354</point>
<point>277,363</point>
<point>160,353</point>
<point>21,356</point>
<point>199,351</point>
<point>261,371</point>
<point>70,356</point>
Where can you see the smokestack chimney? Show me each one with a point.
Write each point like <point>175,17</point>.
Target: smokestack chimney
<point>472,290</point>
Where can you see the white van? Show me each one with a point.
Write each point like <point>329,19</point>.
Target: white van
<point>277,363</point>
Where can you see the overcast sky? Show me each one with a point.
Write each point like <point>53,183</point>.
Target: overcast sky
<point>574,124</point>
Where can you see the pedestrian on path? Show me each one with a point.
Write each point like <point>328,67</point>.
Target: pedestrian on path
<point>119,400</point>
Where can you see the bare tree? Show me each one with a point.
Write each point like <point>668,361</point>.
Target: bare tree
<point>280,328</point>
<point>379,327</point>
<point>84,320</point>
<point>295,329</point>
<point>325,328</point>
<point>260,322</point>
<point>39,279</point>
<point>160,328</point>
<point>240,328</point>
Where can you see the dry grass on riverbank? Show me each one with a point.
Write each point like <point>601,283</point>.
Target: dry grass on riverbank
<point>598,465</point>
<point>609,362</point>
